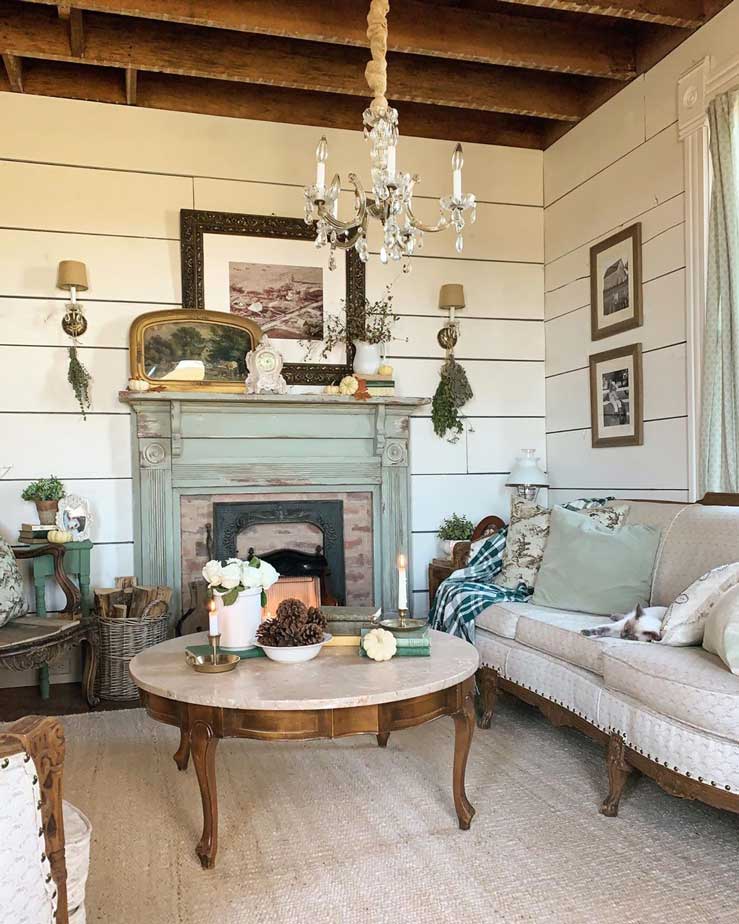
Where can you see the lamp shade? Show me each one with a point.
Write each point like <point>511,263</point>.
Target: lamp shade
<point>527,471</point>
<point>451,295</point>
<point>72,274</point>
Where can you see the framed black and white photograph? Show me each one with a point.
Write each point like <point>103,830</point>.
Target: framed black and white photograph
<point>616,397</point>
<point>74,516</point>
<point>266,269</point>
<point>615,283</point>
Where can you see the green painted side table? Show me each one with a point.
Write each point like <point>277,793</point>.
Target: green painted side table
<point>76,565</point>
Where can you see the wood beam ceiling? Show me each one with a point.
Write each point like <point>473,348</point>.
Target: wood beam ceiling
<point>272,104</point>
<point>222,55</point>
<point>683,14</point>
<point>415,28</point>
<point>14,71</point>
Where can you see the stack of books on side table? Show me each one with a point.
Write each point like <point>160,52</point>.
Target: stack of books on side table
<point>380,386</point>
<point>413,644</point>
<point>34,534</point>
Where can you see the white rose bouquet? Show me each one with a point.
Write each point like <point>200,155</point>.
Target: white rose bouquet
<point>236,575</point>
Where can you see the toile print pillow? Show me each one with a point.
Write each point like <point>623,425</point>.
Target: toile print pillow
<point>528,532</point>
<point>12,602</point>
<point>685,619</point>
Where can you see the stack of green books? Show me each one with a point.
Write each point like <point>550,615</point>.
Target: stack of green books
<point>415,644</point>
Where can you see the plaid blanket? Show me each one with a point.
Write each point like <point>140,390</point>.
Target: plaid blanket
<point>466,593</point>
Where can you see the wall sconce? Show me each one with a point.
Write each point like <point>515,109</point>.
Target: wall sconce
<point>72,277</point>
<point>527,476</point>
<point>451,299</point>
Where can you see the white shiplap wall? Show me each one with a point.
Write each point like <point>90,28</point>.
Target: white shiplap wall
<point>105,184</point>
<point>623,164</point>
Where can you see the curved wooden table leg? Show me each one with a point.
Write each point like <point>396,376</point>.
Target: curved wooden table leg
<point>89,676</point>
<point>464,727</point>
<point>204,743</point>
<point>182,754</point>
<point>618,772</point>
<point>382,739</point>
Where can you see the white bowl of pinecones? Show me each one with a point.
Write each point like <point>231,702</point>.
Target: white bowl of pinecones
<point>295,634</point>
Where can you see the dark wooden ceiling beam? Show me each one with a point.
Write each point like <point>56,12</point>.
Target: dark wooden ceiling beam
<point>683,14</point>
<point>146,45</point>
<point>131,85</point>
<point>415,28</point>
<point>72,15</point>
<point>14,71</point>
<point>273,104</point>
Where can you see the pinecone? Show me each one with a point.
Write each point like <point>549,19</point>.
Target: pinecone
<point>292,607</point>
<point>271,632</point>
<point>317,617</point>
<point>311,634</point>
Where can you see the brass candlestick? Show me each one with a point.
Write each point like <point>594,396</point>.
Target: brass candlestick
<point>214,663</point>
<point>403,623</point>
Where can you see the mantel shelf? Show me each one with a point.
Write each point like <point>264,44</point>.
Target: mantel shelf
<point>211,397</point>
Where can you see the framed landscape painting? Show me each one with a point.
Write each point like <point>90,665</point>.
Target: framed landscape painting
<point>615,283</point>
<point>266,269</point>
<point>616,397</point>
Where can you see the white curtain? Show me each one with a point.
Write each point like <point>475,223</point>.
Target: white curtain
<point>720,392</point>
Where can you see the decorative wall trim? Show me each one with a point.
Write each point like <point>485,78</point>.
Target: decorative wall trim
<point>695,90</point>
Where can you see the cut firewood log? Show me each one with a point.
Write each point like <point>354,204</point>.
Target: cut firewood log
<point>120,611</point>
<point>123,582</point>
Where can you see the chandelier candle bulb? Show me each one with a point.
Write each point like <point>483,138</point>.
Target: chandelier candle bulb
<point>457,162</point>
<point>321,158</point>
<point>402,583</point>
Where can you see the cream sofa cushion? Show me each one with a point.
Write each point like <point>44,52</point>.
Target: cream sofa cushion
<point>502,618</point>
<point>721,630</point>
<point>687,684</point>
<point>684,620</point>
<point>557,632</point>
<point>697,540</point>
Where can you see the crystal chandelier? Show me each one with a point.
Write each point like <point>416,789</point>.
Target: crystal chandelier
<point>391,199</point>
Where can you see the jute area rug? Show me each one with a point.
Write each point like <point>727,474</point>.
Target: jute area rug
<point>338,832</point>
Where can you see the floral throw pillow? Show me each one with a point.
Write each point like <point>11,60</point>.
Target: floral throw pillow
<point>685,619</point>
<point>12,602</point>
<point>528,532</point>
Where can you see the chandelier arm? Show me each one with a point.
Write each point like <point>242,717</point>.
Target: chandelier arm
<point>441,225</point>
<point>376,71</point>
<point>351,239</point>
<point>359,214</point>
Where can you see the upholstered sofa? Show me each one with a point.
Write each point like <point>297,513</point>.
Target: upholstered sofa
<point>670,712</point>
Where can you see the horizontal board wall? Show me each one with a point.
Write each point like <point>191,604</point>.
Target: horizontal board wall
<point>114,203</point>
<point>621,165</point>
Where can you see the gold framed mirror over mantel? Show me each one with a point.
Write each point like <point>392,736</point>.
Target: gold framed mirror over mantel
<point>182,350</point>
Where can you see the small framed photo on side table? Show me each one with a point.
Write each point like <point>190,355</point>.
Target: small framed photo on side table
<point>616,397</point>
<point>615,284</point>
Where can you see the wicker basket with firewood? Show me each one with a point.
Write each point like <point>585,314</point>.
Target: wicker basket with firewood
<point>131,618</point>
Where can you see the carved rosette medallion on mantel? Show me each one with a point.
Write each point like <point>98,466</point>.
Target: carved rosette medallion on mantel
<point>213,444</point>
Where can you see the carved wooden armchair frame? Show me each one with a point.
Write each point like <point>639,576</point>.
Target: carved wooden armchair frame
<point>42,740</point>
<point>488,526</point>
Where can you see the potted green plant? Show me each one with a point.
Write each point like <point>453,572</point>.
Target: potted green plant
<point>46,494</point>
<point>365,333</point>
<point>454,528</point>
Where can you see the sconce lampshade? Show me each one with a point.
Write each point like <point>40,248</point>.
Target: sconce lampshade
<point>72,274</point>
<point>526,471</point>
<point>451,295</point>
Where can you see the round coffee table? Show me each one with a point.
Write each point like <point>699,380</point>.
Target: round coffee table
<point>336,694</point>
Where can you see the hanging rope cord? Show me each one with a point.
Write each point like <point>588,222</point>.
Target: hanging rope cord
<point>376,70</point>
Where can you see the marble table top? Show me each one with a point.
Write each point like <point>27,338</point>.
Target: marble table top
<point>337,678</point>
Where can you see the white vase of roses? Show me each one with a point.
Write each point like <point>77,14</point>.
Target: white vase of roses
<point>239,593</point>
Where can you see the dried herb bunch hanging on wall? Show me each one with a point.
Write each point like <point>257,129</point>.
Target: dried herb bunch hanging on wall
<point>452,393</point>
<point>79,378</point>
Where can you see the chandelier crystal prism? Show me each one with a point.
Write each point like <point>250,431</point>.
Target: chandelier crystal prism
<point>391,200</point>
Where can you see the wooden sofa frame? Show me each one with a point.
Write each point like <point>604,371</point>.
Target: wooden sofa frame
<point>42,740</point>
<point>622,760</point>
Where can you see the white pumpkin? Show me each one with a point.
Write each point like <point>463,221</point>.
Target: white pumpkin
<point>138,385</point>
<point>59,535</point>
<point>349,385</point>
<point>379,644</point>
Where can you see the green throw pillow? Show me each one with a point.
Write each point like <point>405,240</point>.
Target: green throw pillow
<point>592,569</point>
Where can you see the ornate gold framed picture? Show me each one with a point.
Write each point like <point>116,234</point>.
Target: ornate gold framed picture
<point>615,283</point>
<point>265,268</point>
<point>617,397</point>
<point>178,350</point>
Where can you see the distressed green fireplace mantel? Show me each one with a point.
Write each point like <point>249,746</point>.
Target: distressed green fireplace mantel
<point>205,443</point>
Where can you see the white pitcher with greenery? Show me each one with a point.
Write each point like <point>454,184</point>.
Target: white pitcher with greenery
<point>239,592</point>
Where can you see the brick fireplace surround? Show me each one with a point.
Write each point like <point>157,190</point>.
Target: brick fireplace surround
<point>191,449</point>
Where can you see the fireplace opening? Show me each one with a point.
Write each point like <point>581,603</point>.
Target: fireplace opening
<point>303,538</point>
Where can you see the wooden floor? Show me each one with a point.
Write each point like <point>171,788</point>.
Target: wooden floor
<point>65,699</point>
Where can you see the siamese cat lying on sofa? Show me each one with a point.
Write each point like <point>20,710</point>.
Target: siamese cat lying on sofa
<point>642,624</point>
